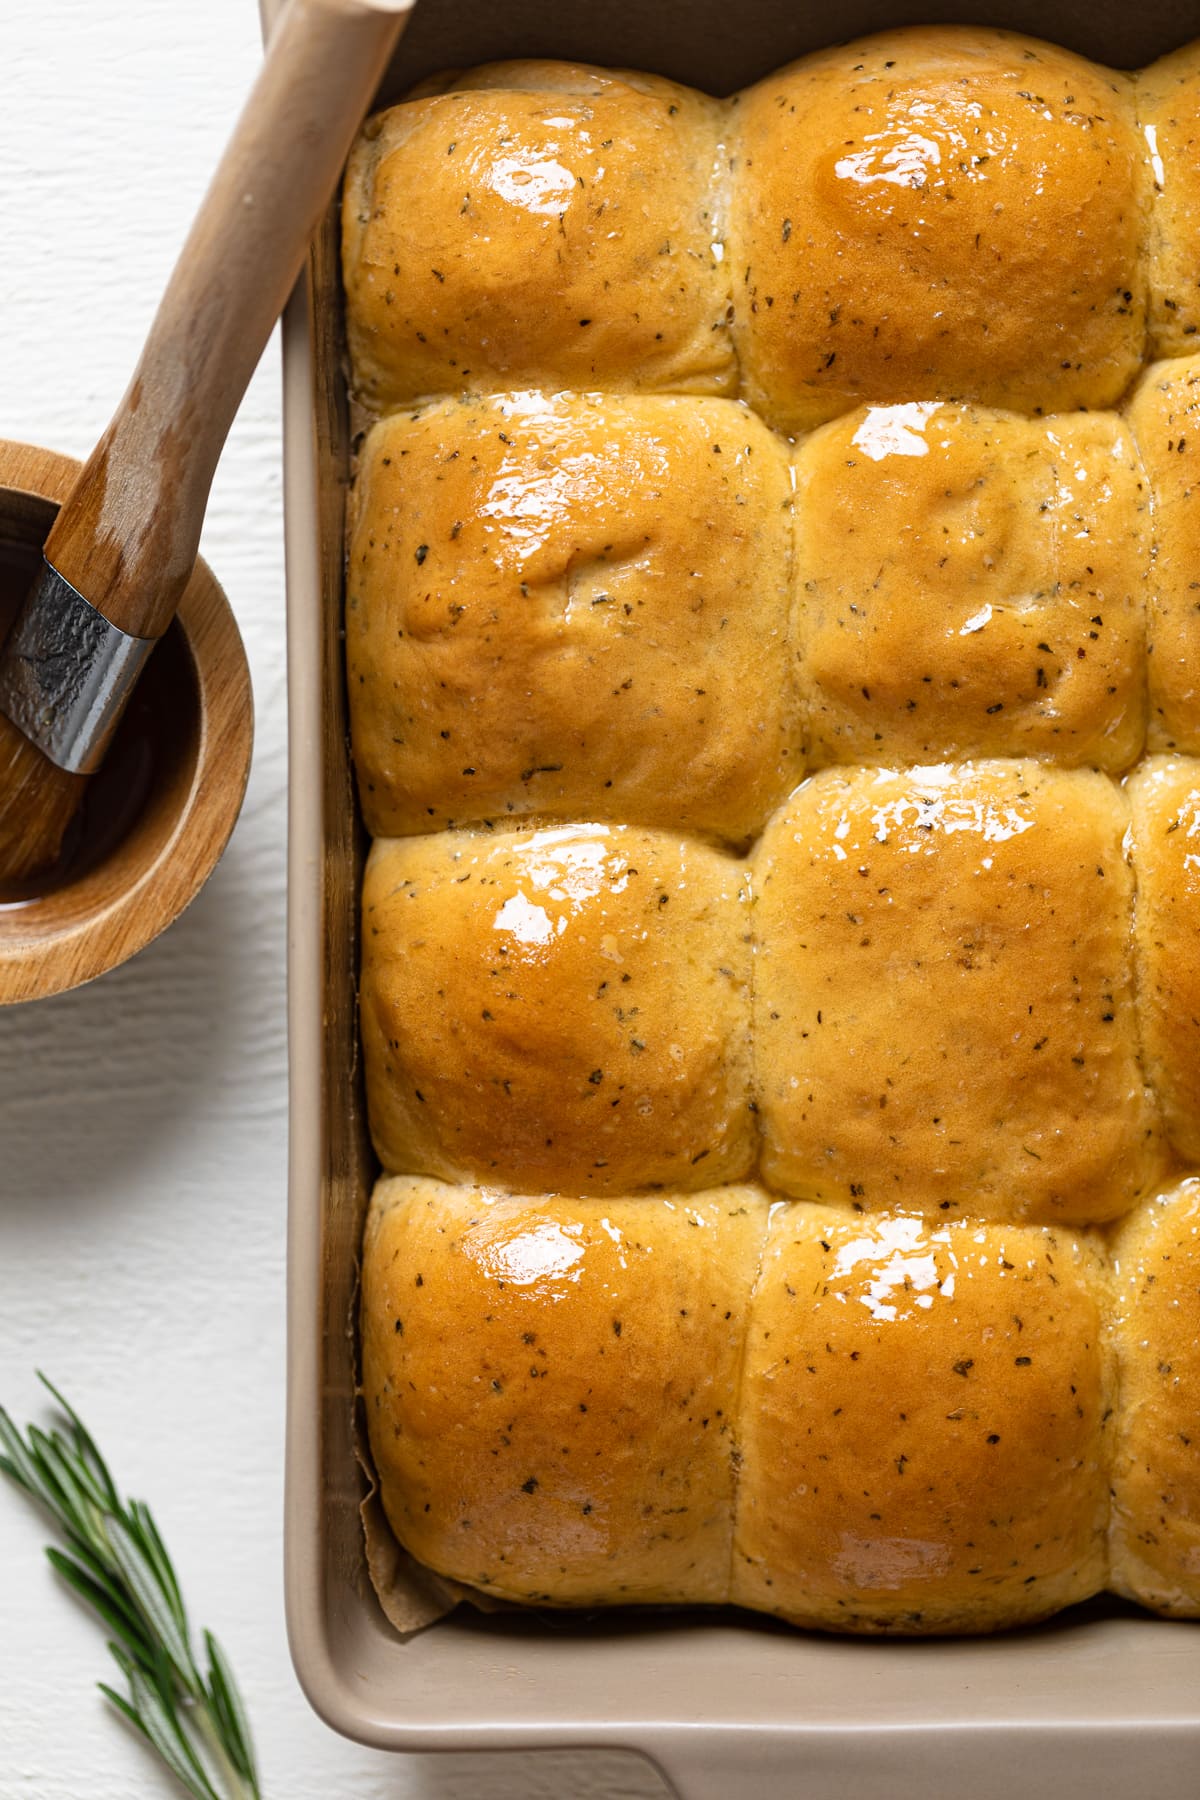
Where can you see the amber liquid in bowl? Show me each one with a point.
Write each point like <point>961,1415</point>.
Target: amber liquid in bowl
<point>157,729</point>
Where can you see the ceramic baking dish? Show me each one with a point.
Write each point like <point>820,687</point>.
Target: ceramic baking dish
<point>1102,1702</point>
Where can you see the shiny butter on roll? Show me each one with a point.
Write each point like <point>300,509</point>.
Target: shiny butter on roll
<point>572,606</point>
<point>944,1009</point>
<point>551,1386</point>
<point>1001,612</point>
<point>537,224</point>
<point>1155,1530</point>
<point>949,213</point>
<point>922,1424</point>
<point>560,1009</point>
<point>1164,415</point>
<point>1168,109</point>
<point>1165,792</point>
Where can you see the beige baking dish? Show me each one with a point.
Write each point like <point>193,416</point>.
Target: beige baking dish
<point>1100,1703</point>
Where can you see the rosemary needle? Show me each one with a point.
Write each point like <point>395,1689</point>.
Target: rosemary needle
<point>117,1563</point>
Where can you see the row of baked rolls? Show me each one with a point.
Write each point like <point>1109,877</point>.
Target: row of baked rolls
<point>927,988</point>
<point>944,211</point>
<point>641,608</point>
<point>860,1423</point>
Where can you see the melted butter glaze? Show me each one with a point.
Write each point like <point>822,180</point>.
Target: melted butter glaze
<point>928,144</point>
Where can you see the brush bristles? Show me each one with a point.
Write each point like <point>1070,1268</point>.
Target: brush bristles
<point>37,803</point>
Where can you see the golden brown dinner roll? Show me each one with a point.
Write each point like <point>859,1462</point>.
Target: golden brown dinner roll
<point>1166,834</point>
<point>944,1009</point>
<point>551,1386</point>
<point>574,606</point>
<point>1168,109</point>
<point>949,213</point>
<point>921,1425</point>
<point>537,224</point>
<point>1155,1535</point>
<point>1165,417</point>
<point>971,584</point>
<point>558,1010</point>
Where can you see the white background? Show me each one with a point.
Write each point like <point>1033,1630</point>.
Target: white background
<point>143,1120</point>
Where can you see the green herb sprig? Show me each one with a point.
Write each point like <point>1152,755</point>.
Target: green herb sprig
<point>118,1565</point>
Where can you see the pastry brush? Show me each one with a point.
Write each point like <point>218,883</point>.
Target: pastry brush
<point>122,548</point>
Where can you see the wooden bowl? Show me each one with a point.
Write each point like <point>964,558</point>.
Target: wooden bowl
<point>157,816</point>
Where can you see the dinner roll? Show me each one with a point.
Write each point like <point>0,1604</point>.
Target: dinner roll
<point>944,1006</point>
<point>1166,831</point>
<point>573,606</point>
<point>1164,414</point>
<point>922,1424</point>
<point>561,1009</point>
<point>551,1386</point>
<point>1001,610</point>
<point>537,224</point>
<point>1156,1463</point>
<point>937,213</point>
<point>1168,108</point>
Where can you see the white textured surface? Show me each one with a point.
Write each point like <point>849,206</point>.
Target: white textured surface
<point>143,1120</point>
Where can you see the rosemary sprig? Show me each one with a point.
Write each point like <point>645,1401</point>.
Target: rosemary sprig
<point>117,1563</point>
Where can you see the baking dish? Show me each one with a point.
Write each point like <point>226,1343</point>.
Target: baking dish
<point>1100,1702</point>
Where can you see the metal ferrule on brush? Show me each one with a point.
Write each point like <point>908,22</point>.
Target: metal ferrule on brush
<point>66,674</point>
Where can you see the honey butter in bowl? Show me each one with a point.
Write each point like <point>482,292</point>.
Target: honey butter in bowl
<point>153,823</point>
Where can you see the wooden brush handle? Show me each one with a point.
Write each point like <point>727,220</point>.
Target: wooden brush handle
<point>128,535</point>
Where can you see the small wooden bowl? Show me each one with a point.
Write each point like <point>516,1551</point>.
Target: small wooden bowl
<point>159,813</point>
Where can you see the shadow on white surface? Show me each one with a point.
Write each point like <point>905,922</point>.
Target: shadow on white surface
<point>100,1082</point>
